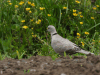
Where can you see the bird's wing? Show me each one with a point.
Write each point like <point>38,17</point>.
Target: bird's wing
<point>61,44</point>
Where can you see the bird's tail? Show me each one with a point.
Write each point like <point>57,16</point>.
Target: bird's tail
<point>84,52</point>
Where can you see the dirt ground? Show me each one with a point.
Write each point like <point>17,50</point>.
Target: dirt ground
<point>44,65</point>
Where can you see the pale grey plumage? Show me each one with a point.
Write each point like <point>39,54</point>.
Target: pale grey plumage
<point>60,44</point>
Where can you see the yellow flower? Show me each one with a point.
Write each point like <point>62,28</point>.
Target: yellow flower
<point>77,1</point>
<point>97,5</point>
<point>93,40</point>
<point>38,22</point>
<point>29,2</point>
<point>49,14</point>
<point>41,8</point>
<point>99,41</point>
<point>61,13</point>
<point>33,35</point>
<point>78,34</point>
<point>31,20</point>
<point>92,17</point>
<point>27,9</point>
<point>16,6</point>
<point>31,28</point>
<point>17,51</point>
<point>87,33</point>
<point>30,11</point>
<point>23,21</point>
<point>10,3</point>
<point>32,4</point>
<point>82,44</point>
<point>75,14</point>
<point>64,7</point>
<point>94,8</point>
<point>81,15</point>
<point>81,22</point>
<point>79,12</point>
<point>74,10</point>
<point>25,27</point>
<point>21,3</point>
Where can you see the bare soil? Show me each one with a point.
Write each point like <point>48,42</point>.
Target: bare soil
<point>44,65</point>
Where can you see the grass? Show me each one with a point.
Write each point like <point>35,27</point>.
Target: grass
<point>23,26</point>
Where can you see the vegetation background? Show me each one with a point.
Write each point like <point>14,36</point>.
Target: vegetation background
<point>23,26</point>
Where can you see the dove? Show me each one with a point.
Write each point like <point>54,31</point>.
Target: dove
<point>61,45</point>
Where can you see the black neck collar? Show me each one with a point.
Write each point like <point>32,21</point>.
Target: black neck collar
<point>54,34</point>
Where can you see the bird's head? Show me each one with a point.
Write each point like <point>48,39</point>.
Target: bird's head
<point>51,29</point>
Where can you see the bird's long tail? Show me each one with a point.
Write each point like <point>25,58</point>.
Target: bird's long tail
<point>84,52</point>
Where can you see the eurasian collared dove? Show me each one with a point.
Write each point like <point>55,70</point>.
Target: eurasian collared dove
<point>60,44</point>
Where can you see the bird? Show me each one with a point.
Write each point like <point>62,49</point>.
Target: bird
<point>61,45</point>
